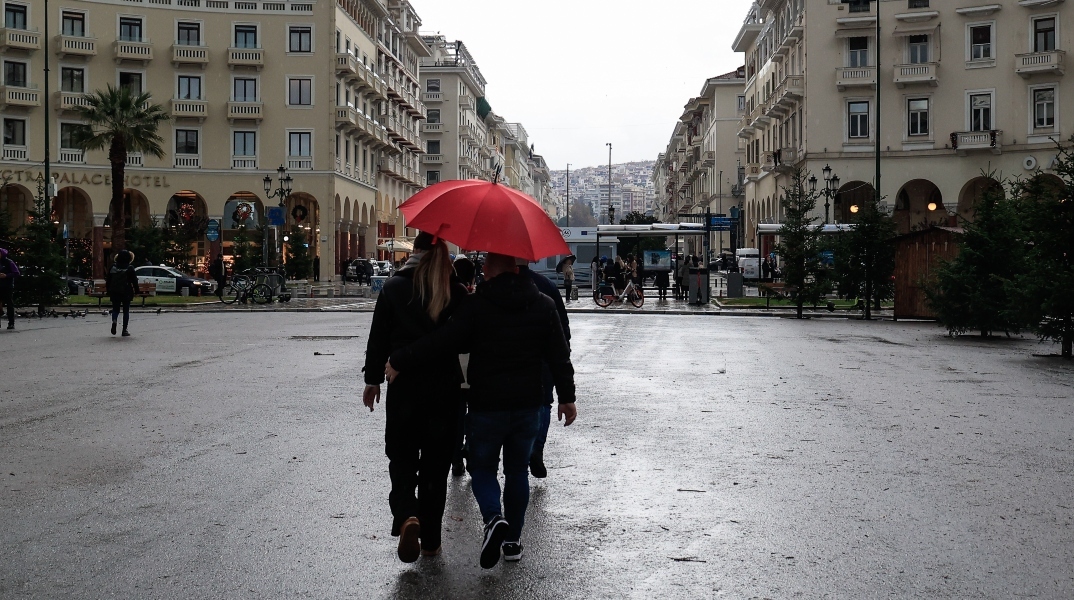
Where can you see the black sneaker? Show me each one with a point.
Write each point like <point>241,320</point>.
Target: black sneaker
<point>126,333</point>
<point>113,327</point>
<point>512,551</point>
<point>537,468</point>
<point>495,532</point>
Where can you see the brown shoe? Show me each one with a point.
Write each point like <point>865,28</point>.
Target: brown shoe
<point>409,544</point>
<point>432,552</point>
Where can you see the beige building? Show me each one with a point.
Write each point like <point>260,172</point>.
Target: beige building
<point>328,91</point>
<point>967,88</point>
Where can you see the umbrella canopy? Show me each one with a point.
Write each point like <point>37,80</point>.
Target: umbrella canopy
<point>478,215</point>
<point>563,261</point>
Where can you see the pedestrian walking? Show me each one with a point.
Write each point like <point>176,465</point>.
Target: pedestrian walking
<point>509,327</point>
<point>465,274</point>
<point>421,409</point>
<point>9,271</point>
<point>595,274</point>
<point>568,277</point>
<point>766,268</point>
<point>316,268</point>
<point>122,286</point>
<point>682,271</point>
<point>218,272</point>
<point>368,272</point>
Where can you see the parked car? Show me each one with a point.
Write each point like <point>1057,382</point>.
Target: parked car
<point>172,281</point>
<point>73,283</point>
<point>384,268</point>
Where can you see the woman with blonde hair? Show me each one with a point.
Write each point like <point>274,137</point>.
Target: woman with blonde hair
<point>421,408</point>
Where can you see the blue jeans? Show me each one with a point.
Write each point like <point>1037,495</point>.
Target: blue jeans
<point>514,432</point>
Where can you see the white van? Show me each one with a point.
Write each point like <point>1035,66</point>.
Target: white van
<point>749,261</point>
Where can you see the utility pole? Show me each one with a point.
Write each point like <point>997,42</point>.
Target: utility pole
<point>48,115</point>
<point>609,181</point>
<point>568,195</point>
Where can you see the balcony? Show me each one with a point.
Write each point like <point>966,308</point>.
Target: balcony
<point>190,109</point>
<point>967,141</point>
<point>753,171</point>
<point>745,128</point>
<point>709,158</point>
<point>785,159</point>
<point>70,101</point>
<point>791,90</point>
<point>187,161</point>
<point>432,159</point>
<point>136,51</point>
<point>1039,63</point>
<point>346,118</point>
<point>769,163</point>
<point>433,127</point>
<point>346,66</point>
<point>300,163</point>
<point>245,57</point>
<point>846,77</point>
<point>19,39</point>
<point>190,55</point>
<point>245,110</point>
<point>922,73</point>
<point>466,102</point>
<point>69,45</point>
<point>243,162</point>
<point>72,157</point>
<point>15,152</point>
<point>19,96</point>
<point>428,97</point>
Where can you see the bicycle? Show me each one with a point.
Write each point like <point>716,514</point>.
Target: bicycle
<point>243,287</point>
<point>605,294</point>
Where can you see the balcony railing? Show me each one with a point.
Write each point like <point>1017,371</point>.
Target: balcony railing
<point>188,161</point>
<point>964,141</point>
<point>69,45</point>
<point>785,159</point>
<point>15,152</point>
<point>432,97</point>
<point>19,39</point>
<point>72,156</point>
<point>432,159</point>
<point>134,159</point>
<point>190,55</point>
<point>245,57</point>
<point>70,101</point>
<point>245,110</point>
<point>243,162</point>
<point>300,163</point>
<point>140,51</point>
<point>1037,63</point>
<point>432,127</point>
<point>346,117</point>
<point>194,109</point>
<point>19,96</point>
<point>791,90</point>
<point>709,158</point>
<point>923,73</point>
<point>346,65</point>
<point>854,77</point>
<point>466,101</point>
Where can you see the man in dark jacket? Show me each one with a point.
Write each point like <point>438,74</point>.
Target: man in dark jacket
<point>8,272</point>
<point>219,274</point>
<point>509,328</point>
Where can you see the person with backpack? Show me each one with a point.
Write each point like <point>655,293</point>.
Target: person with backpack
<point>8,272</point>
<point>122,286</point>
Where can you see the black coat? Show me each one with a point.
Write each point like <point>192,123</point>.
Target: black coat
<point>509,327</point>
<point>122,283</point>
<point>400,319</point>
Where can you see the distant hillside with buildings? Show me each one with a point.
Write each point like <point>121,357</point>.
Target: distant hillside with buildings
<point>632,188</point>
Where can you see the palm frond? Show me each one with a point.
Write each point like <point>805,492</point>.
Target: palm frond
<point>117,113</point>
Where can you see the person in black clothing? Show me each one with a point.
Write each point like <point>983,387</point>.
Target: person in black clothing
<point>421,410</point>
<point>219,273</point>
<point>316,268</point>
<point>9,271</point>
<point>509,328</point>
<point>122,286</point>
<point>368,266</point>
<point>465,274</point>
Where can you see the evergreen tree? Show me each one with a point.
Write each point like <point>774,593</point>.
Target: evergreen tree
<point>800,245</point>
<point>299,262</point>
<point>636,246</point>
<point>581,215</point>
<point>865,257</point>
<point>972,292</point>
<point>1042,291</point>
<point>40,258</point>
<point>246,250</point>
<point>147,243</point>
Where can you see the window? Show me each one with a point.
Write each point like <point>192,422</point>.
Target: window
<point>1044,34</point>
<point>14,16</point>
<point>131,81</point>
<point>245,143</point>
<point>244,90</point>
<point>432,85</point>
<point>432,147</point>
<point>1044,108</point>
<point>67,136</point>
<point>918,4</point>
<point>300,92</point>
<point>858,52</point>
<point>432,177</point>
<point>246,36</point>
<point>300,39</point>
<point>980,112</point>
<point>14,132</point>
<point>298,143</point>
<point>72,79</point>
<point>14,73</point>
<point>919,49</point>
<point>186,141</point>
<point>189,87</point>
<point>980,42</point>
<point>917,116</point>
<point>130,29</point>
<point>433,115</point>
<point>858,120</point>
<point>859,6</point>
<point>73,24</point>
<point>189,34</point>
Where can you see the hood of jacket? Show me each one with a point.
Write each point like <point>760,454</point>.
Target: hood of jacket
<point>509,291</point>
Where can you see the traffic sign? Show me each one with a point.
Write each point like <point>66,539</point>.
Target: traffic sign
<point>212,230</point>
<point>720,222</point>
<point>276,216</point>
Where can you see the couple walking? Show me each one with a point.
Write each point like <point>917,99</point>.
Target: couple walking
<point>422,321</point>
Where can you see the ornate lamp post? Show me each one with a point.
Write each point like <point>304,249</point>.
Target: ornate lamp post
<point>831,188</point>
<point>284,182</point>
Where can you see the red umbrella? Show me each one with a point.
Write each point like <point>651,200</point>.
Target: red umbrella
<point>478,215</point>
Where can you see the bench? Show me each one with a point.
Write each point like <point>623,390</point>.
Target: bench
<point>780,290</point>
<point>99,291</point>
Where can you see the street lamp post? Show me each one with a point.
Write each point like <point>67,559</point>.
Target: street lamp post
<point>831,188</point>
<point>568,221</point>
<point>610,212</point>
<point>283,190</point>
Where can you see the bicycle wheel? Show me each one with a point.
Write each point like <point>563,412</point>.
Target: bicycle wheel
<point>230,294</point>
<point>637,297</point>
<point>602,297</point>
<point>261,293</point>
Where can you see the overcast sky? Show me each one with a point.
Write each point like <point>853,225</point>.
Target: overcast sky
<point>580,73</point>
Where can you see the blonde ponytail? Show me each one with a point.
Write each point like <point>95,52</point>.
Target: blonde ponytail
<point>432,278</point>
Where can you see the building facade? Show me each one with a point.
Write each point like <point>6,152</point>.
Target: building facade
<point>969,93</point>
<point>328,91</point>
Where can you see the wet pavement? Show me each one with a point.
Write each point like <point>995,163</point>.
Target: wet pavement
<point>226,455</point>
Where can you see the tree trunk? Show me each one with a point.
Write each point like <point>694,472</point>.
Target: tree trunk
<point>868,297</point>
<point>799,306</point>
<point>1068,340</point>
<point>117,156</point>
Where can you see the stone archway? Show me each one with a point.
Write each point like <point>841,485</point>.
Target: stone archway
<point>1049,185</point>
<point>972,193</point>
<point>303,211</point>
<point>243,209</point>
<point>185,207</point>
<point>16,201</point>
<point>72,207</point>
<point>849,197</point>
<point>136,210</point>
<point>919,205</point>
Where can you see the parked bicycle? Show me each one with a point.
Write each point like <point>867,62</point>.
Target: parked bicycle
<point>605,294</point>
<point>259,284</point>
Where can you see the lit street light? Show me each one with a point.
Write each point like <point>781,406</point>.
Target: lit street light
<point>831,188</point>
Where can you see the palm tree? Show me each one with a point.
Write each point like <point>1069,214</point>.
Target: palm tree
<point>122,121</point>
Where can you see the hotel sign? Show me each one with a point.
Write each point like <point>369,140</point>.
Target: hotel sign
<point>65,178</point>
